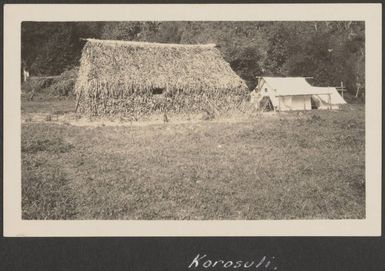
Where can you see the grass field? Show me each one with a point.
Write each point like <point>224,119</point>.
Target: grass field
<point>288,166</point>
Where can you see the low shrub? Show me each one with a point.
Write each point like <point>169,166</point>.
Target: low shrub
<point>36,85</point>
<point>64,84</point>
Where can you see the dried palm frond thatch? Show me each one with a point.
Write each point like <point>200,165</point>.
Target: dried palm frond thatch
<point>137,78</point>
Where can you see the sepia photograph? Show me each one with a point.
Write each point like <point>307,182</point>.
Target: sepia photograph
<point>239,122</point>
<point>191,136</point>
<point>193,120</point>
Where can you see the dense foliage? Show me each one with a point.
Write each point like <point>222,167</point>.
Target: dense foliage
<point>330,52</point>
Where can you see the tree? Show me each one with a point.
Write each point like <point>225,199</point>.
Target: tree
<point>330,52</point>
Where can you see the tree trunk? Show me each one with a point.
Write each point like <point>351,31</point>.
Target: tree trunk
<point>358,90</point>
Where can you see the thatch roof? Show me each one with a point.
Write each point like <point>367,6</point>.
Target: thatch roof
<point>140,66</point>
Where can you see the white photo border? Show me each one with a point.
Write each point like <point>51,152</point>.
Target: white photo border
<point>15,14</point>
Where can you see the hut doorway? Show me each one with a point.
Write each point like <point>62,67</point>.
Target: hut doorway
<point>157,91</point>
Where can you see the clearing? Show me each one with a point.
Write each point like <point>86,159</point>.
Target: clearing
<point>288,166</point>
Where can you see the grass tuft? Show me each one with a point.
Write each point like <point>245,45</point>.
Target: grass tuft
<point>37,143</point>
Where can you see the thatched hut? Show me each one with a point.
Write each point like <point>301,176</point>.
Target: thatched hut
<point>125,77</point>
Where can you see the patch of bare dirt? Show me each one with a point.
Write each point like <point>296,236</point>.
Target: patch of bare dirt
<point>76,120</point>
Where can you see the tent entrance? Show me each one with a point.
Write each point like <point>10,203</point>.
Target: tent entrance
<point>315,103</point>
<point>265,104</point>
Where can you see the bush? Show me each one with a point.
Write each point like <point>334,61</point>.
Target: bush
<point>64,84</point>
<point>36,85</point>
<point>352,99</point>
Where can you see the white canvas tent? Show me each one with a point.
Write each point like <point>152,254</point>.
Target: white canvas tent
<point>295,93</point>
<point>335,99</point>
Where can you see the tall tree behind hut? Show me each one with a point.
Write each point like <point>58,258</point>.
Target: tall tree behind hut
<point>49,48</point>
<point>330,52</point>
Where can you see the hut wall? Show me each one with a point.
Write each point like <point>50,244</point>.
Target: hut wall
<point>117,77</point>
